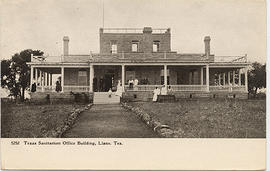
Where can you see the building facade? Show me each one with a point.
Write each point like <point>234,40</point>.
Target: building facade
<point>145,55</point>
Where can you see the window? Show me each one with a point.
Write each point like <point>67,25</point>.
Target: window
<point>156,46</point>
<point>82,74</point>
<point>113,46</point>
<point>134,47</point>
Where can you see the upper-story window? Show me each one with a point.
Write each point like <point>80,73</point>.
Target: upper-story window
<point>156,46</point>
<point>113,47</point>
<point>134,46</point>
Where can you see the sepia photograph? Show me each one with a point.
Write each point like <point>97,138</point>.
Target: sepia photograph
<point>133,69</point>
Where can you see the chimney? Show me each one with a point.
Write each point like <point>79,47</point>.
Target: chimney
<point>207,46</point>
<point>65,44</point>
<point>147,42</point>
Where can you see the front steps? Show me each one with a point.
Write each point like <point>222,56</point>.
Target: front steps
<point>103,98</point>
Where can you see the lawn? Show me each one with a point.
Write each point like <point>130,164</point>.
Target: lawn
<point>32,121</point>
<point>217,118</point>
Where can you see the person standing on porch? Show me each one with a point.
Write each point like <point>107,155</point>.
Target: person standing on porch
<point>119,90</point>
<point>136,82</point>
<point>169,90</point>
<point>156,93</point>
<point>101,84</point>
<point>130,83</point>
<point>58,86</point>
<point>33,87</point>
<point>163,90</point>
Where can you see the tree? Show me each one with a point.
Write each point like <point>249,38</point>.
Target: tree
<point>256,77</point>
<point>16,73</point>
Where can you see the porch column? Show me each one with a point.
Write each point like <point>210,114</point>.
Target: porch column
<point>229,77</point>
<point>49,80</point>
<point>36,75</point>
<point>246,79</point>
<point>31,77</point>
<point>224,77</point>
<point>207,77</point>
<point>40,77</point>
<point>42,81</point>
<point>201,75</point>
<point>62,79</point>
<point>219,79</point>
<point>45,79</point>
<point>233,77</point>
<point>239,77</point>
<point>165,76</point>
<point>123,77</point>
<point>91,77</point>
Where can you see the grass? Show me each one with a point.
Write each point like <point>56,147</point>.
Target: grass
<point>32,121</point>
<point>223,118</point>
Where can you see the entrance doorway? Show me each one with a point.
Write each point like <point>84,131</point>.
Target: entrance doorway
<point>108,81</point>
<point>106,78</point>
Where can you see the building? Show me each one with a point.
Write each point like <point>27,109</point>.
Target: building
<point>142,54</point>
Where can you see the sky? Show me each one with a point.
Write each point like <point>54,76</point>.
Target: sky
<point>236,27</point>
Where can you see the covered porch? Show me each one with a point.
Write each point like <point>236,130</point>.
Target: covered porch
<point>68,78</point>
<point>175,77</point>
<point>188,78</point>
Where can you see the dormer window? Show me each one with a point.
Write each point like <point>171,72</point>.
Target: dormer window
<point>134,46</point>
<point>156,46</point>
<point>113,47</point>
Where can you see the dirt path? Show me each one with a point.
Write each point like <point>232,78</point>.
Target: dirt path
<point>109,121</point>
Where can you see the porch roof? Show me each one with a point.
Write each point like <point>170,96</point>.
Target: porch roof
<point>137,58</point>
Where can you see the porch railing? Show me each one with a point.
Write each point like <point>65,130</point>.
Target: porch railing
<point>174,87</point>
<point>66,88</point>
<point>76,88</point>
<point>188,87</point>
<point>227,88</point>
<point>142,87</point>
<point>45,89</point>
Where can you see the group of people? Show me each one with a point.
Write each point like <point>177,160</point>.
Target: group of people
<point>163,91</point>
<point>133,83</point>
<point>119,90</point>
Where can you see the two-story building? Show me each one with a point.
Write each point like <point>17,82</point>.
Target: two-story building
<point>145,55</point>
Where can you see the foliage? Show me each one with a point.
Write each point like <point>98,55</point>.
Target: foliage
<point>16,73</point>
<point>256,77</point>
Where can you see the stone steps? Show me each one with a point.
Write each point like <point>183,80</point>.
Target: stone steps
<point>103,98</point>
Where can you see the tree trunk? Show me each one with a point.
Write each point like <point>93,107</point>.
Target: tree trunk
<point>22,95</point>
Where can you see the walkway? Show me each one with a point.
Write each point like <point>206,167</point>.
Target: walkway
<point>109,121</point>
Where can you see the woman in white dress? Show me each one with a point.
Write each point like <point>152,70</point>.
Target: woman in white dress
<point>156,93</point>
<point>119,89</point>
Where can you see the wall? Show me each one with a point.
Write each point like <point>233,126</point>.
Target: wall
<point>148,95</point>
<point>152,73</point>
<point>53,97</point>
<point>183,75</point>
<point>71,77</point>
<point>124,41</point>
<point>177,75</point>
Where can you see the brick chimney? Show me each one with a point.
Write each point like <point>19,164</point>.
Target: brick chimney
<point>147,40</point>
<point>207,46</point>
<point>65,45</point>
